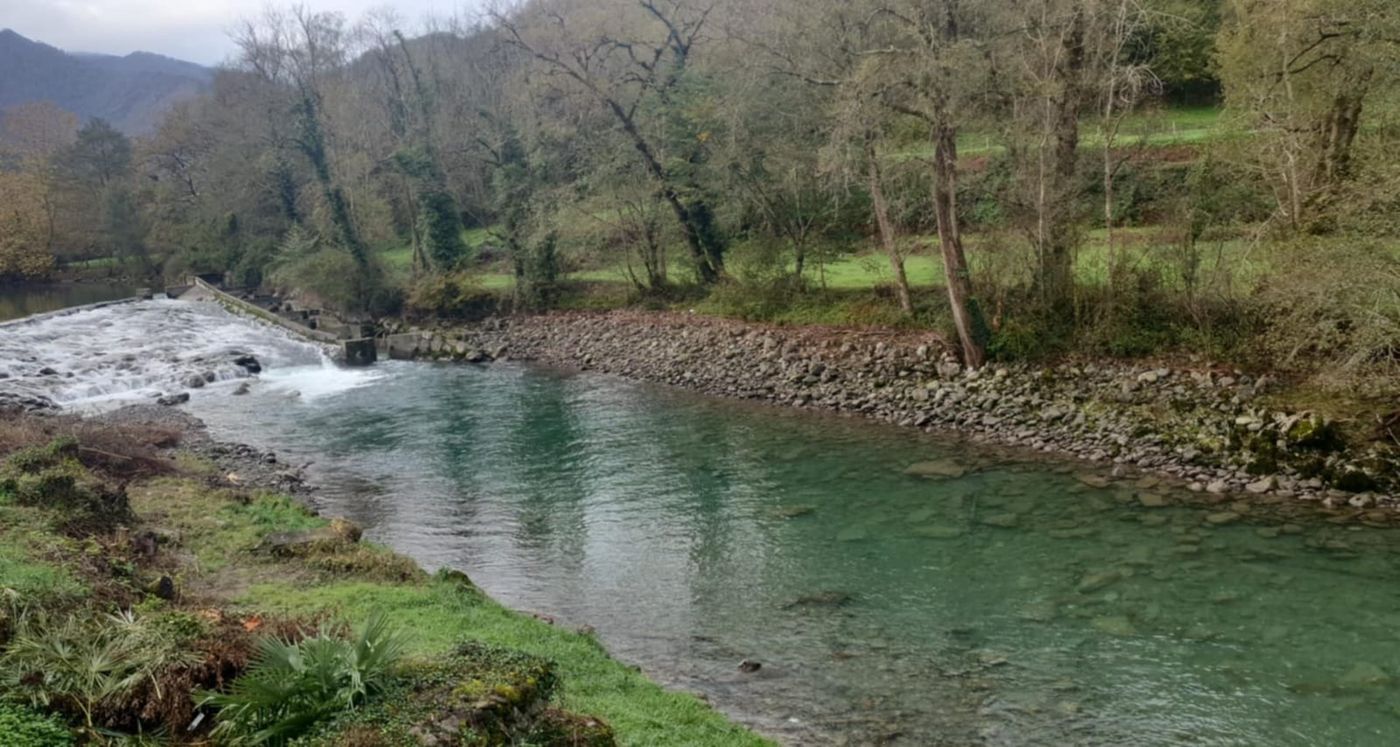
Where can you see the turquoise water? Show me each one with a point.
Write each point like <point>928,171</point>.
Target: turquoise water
<point>978,599</point>
<point>1013,604</point>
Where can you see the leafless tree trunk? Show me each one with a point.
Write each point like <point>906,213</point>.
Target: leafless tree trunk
<point>955,269</point>
<point>888,240</point>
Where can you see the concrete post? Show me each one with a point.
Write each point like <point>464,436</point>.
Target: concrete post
<point>360,352</point>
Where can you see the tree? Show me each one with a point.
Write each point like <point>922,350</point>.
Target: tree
<point>24,251</point>
<point>1125,83</point>
<point>829,51</point>
<point>640,73</point>
<point>410,101</point>
<point>930,71</point>
<point>36,130</point>
<point>1299,75</point>
<point>85,177</point>
<point>99,158</point>
<point>299,53</point>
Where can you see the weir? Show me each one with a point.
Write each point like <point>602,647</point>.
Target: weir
<point>352,350</point>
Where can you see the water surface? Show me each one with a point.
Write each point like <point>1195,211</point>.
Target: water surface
<point>1010,605</point>
<point>21,300</point>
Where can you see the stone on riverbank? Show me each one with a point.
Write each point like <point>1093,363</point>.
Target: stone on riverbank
<point>1197,426</point>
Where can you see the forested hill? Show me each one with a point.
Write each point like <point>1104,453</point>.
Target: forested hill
<point>131,92</point>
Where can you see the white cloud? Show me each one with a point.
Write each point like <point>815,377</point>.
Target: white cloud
<point>195,30</point>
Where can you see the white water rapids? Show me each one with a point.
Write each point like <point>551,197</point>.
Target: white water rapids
<point>109,356</point>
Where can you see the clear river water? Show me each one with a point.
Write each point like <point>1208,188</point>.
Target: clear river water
<point>1000,601</point>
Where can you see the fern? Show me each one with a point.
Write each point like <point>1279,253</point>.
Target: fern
<point>291,686</point>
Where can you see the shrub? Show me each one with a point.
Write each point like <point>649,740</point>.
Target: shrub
<point>290,687</point>
<point>51,477</point>
<point>88,666</point>
<point>331,275</point>
<point>22,727</point>
<point>1335,305</point>
<point>452,295</point>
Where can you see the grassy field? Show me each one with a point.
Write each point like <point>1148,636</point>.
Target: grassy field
<point>400,258</point>
<point>1138,248</point>
<point>1175,126</point>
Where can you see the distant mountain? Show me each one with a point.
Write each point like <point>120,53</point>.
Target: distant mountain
<point>131,92</point>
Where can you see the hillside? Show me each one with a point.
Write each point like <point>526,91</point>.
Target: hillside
<point>131,92</point>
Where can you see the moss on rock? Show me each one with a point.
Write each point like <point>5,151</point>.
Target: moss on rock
<point>479,695</point>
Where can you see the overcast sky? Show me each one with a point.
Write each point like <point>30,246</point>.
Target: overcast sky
<point>194,30</point>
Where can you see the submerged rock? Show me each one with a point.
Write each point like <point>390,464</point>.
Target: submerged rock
<point>1118,625</point>
<point>791,512</point>
<point>852,534</point>
<point>1003,521</point>
<point>1093,481</point>
<point>945,468</point>
<point>938,532</point>
<point>25,402</point>
<point>1096,581</point>
<point>248,363</point>
<point>1222,518</point>
<point>1153,500</point>
<point>1363,676</point>
<point>821,599</point>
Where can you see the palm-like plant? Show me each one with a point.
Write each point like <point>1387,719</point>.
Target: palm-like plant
<point>291,686</point>
<point>83,663</point>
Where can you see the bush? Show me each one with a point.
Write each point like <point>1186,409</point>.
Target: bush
<point>290,687</point>
<point>89,666</point>
<point>1334,305</point>
<point>22,727</point>
<point>51,477</point>
<point>331,275</point>
<point>452,295</point>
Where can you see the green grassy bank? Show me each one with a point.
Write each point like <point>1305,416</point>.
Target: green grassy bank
<point>121,611</point>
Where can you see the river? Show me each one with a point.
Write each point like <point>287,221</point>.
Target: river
<point>1006,601</point>
<point>18,301</point>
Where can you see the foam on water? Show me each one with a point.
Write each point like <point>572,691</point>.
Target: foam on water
<point>115,355</point>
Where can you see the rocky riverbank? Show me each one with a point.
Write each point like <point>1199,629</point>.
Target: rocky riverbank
<point>1209,427</point>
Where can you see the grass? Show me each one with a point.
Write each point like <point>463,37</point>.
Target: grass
<point>96,263</point>
<point>440,613</point>
<point>25,574</point>
<point>27,549</point>
<point>216,531</point>
<point>399,258</point>
<point>1141,247</point>
<point>1175,126</point>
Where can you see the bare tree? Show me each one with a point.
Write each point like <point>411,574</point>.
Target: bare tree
<point>930,71</point>
<point>300,51</point>
<point>631,75</point>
